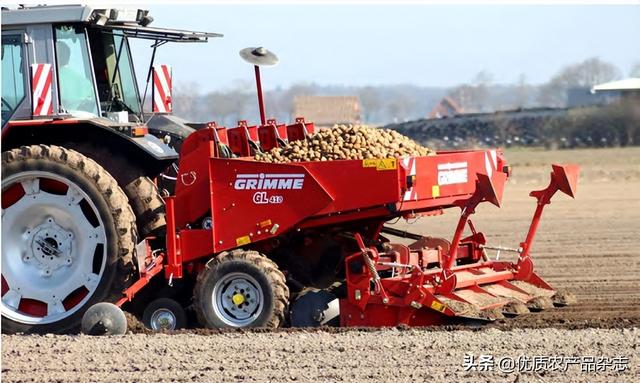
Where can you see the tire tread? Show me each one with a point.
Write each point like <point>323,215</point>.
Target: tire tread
<point>114,196</point>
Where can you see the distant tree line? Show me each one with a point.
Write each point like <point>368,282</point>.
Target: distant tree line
<point>386,104</point>
<point>616,124</point>
<point>379,104</point>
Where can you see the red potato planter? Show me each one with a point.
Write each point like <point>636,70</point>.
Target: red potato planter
<point>248,213</point>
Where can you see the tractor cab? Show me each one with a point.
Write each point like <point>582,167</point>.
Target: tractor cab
<point>80,65</point>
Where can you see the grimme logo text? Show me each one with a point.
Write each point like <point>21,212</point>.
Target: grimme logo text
<point>264,181</point>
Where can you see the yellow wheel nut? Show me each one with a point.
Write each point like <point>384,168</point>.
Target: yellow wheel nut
<point>238,299</point>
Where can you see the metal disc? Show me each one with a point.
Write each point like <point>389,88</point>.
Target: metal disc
<point>314,309</point>
<point>259,56</point>
<point>104,319</point>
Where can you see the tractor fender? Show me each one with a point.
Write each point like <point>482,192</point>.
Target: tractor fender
<point>147,152</point>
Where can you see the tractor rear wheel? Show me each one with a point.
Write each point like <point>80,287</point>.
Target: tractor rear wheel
<point>143,195</point>
<point>241,289</point>
<point>68,239</point>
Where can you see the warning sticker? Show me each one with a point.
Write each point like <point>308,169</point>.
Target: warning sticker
<point>452,173</point>
<point>243,240</point>
<point>380,163</point>
<point>265,223</point>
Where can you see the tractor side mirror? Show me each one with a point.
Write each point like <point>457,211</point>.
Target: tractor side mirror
<point>161,90</point>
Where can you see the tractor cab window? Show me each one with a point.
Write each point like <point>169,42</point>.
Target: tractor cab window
<point>115,78</point>
<point>77,94</point>
<point>13,76</point>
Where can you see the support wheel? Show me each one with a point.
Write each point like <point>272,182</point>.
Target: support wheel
<point>241,289</point>
<point>68,239</point>
<point>164,314</point>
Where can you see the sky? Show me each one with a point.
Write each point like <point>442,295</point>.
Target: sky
<point>424,45</point>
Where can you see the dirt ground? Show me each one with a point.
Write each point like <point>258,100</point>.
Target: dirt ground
<point>590,246</point>
<point>383,356</point>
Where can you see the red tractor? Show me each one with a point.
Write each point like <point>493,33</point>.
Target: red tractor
<point>238,243</point>
<point>73,128</point>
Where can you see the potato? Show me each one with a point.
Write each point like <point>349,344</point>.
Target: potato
<point>342,142</point>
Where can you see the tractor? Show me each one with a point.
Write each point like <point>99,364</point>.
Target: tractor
<point>74,128</point>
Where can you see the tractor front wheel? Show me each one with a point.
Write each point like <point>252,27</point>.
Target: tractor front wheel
<point>68,238</point>
<point>241,289</point>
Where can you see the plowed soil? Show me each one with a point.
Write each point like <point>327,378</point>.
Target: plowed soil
<point>381,356</point>
<point>589,246</point>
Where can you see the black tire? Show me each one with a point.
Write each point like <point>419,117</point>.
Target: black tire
<point>113,209</point>
<point>148,206</point>
<point>263,271</point>
<point>169,305</point>
<point>144,198</point>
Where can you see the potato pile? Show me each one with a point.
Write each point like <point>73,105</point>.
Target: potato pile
<point>346,142</point>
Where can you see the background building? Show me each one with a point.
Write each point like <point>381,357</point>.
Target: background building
<point>326,111</point>
<point>447,107</point>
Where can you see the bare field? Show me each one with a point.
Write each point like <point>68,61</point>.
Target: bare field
<point>590,246</point>
<point>382,356</point>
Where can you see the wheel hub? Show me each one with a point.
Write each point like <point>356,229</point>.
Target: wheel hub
<point>49,247</point>
<point>242,299</point>
<point>237,299</point>
<point>53,247</point>
<point>163,319</point>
